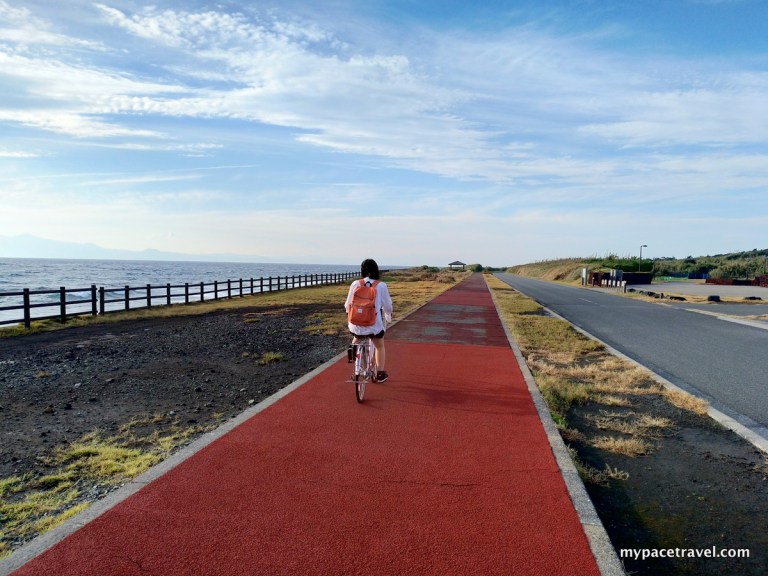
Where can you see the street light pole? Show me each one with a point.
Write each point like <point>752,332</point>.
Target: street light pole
<point>639,264</point>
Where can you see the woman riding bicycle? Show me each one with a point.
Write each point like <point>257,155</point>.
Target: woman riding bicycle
<point>369,271</point>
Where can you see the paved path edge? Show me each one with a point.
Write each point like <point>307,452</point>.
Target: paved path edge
<point>602,549</point>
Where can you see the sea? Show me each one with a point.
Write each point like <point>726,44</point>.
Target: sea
<point>16,274</point>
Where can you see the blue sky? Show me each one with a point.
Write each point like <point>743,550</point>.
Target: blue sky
<point>411,132</point>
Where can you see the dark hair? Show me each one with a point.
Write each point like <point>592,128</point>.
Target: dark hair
<point>369,269</point>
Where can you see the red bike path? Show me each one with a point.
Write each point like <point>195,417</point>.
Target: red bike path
<point>444,469</point>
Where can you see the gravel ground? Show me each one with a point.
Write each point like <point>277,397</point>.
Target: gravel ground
<point>195,370</point>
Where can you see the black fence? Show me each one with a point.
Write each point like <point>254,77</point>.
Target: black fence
<point>70,302</point>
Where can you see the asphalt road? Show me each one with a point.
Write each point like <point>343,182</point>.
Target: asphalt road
<point>723,362</point>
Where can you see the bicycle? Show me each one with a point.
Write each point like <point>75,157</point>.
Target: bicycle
<point>362,354</point>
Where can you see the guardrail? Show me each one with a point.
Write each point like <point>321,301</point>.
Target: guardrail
<point>100,300</point>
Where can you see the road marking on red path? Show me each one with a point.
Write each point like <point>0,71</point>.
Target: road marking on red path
<point>445,469</point>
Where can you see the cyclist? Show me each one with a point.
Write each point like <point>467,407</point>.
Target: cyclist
<point>369,271</point>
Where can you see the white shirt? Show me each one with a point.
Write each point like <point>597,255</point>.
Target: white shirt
<point>383,304</point>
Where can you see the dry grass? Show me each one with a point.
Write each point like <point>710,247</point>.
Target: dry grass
<point>572,370</point>
<point>537,333</point>
<point>592,475</point>
<point>686,401</point>
<point>629,423</point>
<point>611,400</point>
<point>631,447</point>
<point>565,270</point>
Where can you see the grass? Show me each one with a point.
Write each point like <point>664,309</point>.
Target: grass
<point>572,370</point>
<point>629,423</point>
<point>593,475</point>
<point>686,401</point>
<point>535,333</point>
<point>631,447</point>
<point>270,357</point>
<point>31,505</point>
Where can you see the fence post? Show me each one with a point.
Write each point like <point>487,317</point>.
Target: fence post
<point>63,304</point>
<point>241,287</point>
<point>229,288</point>
<point>202,291</point>
<point>251,286</point>
<point>27,310</point>
<point>149,296</point>
<point>261,285</point>
<point>168,293</point>
<point>186,292</point>
<point>127,297</point>
<point>102,300</point>
<point>93,300</point>
<point>215,289</point>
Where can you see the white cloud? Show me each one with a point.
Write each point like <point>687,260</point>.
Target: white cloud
<point>17,154</point>
<point>20,27</point>
<point>549,101</point>
<point>71,123</point>
<point>496,122</point>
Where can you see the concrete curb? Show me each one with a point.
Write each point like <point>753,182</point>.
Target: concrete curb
<point>602,549</point>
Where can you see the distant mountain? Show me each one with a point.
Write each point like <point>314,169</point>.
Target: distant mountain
<point>28,246</point>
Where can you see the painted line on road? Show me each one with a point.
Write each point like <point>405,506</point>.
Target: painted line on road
<point>753,323</point>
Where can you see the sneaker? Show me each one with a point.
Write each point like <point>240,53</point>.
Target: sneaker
<point>381,377</point>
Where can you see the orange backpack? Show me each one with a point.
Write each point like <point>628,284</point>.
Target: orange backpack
<point>362,310</point>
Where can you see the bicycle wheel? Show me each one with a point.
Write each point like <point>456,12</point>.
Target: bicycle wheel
<point>359,387</point>
<point>361,376</point>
